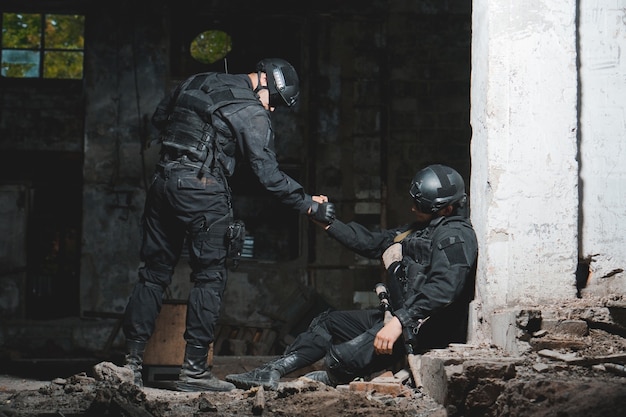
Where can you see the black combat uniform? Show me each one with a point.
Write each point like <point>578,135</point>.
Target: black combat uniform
<point>433,282</point>
<point>203,124</point>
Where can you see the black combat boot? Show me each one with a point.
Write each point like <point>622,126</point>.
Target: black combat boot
<point>134,359</point>
<point>335,373</point>
<point>321,376</point>
<point>195,375</point>
<point>269,374</point>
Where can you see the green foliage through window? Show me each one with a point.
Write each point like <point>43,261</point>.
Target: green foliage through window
<point>42,45</point>
<point>210,46</point>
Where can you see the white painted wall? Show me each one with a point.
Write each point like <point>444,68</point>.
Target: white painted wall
<point>603,143</point>
<point>524,195</point>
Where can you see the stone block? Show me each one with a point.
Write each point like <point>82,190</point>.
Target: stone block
<point>496,369</point>
<point>570,327</point>
<point>435,375</point>
<point>451,380</point>
<point>510,329</point>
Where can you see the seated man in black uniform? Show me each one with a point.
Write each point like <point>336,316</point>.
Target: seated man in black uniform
<point>431,267</point>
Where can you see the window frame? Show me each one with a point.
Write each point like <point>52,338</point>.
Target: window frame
<point>41,50</point>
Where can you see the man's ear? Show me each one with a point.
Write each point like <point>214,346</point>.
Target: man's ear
<point>446,211</point>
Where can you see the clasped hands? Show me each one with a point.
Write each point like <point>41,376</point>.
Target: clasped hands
<point>322,211</point>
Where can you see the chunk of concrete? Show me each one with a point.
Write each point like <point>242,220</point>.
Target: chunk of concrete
<point>496,369</point>
<point>449,382</point>
<point>435,375</point>
<point>108,371</point>
<point>569,327</point>
<point>511,329</point>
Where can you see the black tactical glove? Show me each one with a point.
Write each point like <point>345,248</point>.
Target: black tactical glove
<point>323,213</point>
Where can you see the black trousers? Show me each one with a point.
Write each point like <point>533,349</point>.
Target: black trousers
<point>346,340</point>
<point>182,206</point>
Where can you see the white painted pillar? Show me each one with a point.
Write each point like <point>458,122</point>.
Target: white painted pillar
<point>524,198</point>
<point>603,144</point>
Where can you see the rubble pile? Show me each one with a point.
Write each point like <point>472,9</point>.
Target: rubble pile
<point>566,361</point>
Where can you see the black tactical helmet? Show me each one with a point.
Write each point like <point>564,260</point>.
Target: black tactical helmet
<point>437,186</point>
<point>282,81</point>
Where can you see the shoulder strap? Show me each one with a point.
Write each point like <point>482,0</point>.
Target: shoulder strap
<point>432,226</point>
<point>226,95</point>
<point>230,95</point>
<point>401,236</point>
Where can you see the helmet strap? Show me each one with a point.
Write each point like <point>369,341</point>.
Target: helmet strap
<point>259,87</point>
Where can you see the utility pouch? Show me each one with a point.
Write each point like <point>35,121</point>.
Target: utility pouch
<point>235,235</point>
<point>418,248</point>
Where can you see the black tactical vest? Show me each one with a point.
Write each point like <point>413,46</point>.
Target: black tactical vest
<point>191,128</point>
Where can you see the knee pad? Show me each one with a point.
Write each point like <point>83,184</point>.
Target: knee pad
<point>338,371</point>
<point>155,275</point>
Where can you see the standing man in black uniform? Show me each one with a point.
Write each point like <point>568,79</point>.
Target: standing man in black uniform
<point>203,124</point>
<point>430,266</point>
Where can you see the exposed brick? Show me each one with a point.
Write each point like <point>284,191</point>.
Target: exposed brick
<point>386,383</point>
<point>394,389</point>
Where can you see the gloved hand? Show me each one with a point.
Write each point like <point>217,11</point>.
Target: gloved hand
<point>323,213</point>
<point>392,254</point>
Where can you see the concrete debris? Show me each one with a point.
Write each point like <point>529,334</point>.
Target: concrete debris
<point>541,367</point>
<point>575,359</point>
<point>552,354</point>
<point>108,371</point>
<point>568,367</point>
<point>615,368</point>
<point>205,405</point>
<point>577,328</point>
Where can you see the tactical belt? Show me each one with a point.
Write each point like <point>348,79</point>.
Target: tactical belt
<point>170,154</point>
<point>185,161</point>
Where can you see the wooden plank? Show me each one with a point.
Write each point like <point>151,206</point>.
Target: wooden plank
<point>415,362</point>
<point>265,342</point>
<point>166,347</point>
<point>259,402</point>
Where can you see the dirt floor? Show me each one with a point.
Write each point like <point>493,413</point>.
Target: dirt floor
<point>537,385</point>
<point>82,395</point>
<point>554,389</point>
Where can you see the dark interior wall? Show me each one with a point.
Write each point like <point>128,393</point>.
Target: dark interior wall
<point>385,90</point>
<point>41,151</point>
<point>126,63</point>
<point>391,96</point>
<point>429,93</point>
